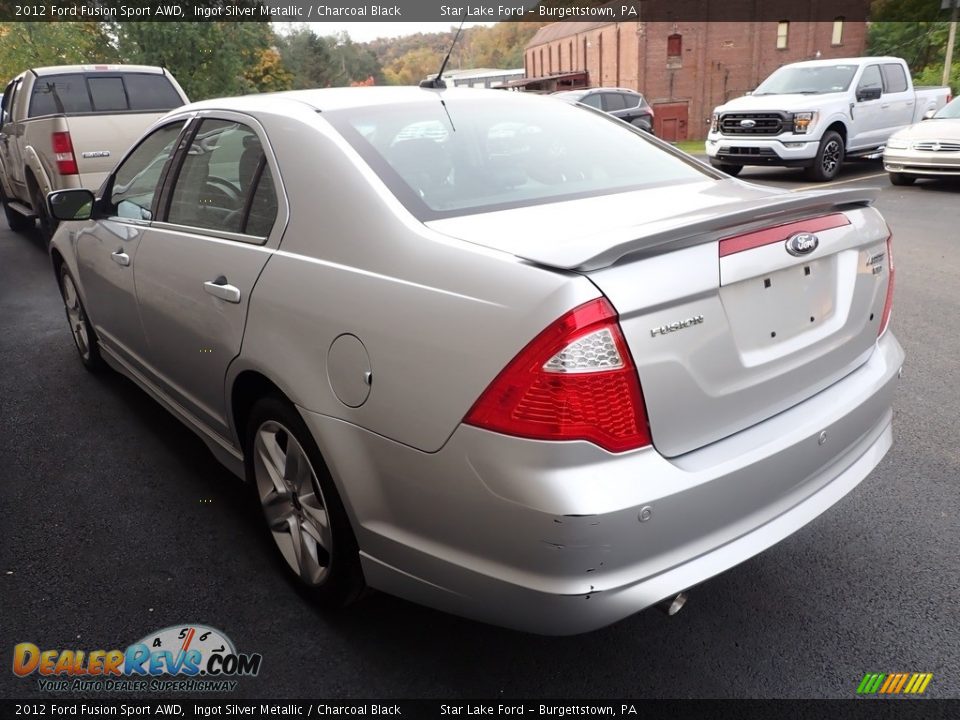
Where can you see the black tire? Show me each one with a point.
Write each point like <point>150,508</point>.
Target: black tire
<point>17,222</point>
<point>81,329</point>
<point>340,581</point>
<point>829,158</point>
<point>902,179</point>
<point>731,170</point>
<point>48,225</point>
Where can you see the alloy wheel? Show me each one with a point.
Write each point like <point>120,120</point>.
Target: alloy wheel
<point>76,317</point>
<point>293,502</point>
<point>831,158</point>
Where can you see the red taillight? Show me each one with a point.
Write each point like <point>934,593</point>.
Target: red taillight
<point>63,151</point>
<point>888,303</point>
<point>574,381</point>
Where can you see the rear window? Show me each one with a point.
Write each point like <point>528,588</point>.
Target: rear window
<point>102,92</point>
<point>465,156</point>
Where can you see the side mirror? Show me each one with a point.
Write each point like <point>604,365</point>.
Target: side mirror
<point>749,92</point>
<point>71,204</point>
<point>928,114</point>
<point>869,93</point>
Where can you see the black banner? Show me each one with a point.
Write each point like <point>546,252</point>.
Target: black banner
<point>478,10</point>
<point>473,709</point>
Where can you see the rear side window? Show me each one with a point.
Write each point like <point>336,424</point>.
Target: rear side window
<point>894,78</point>
<point>613,101</point>
<point>102,92</point>
<point>224,183</point>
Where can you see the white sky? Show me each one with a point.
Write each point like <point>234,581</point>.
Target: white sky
<point>366,31</point>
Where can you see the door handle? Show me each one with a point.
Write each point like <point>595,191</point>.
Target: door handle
<point>120,257</point>
<point>219,288</point>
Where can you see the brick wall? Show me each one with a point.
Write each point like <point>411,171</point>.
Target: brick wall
<point>717,61</point>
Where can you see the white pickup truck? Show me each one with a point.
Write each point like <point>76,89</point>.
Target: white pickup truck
<point>67,126</point>
<point>815,114</point>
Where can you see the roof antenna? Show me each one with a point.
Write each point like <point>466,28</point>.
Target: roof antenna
<point>437,83</point>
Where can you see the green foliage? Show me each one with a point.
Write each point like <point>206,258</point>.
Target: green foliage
<point>933,75</point>
<point>35,44</point>
<point>330,61</point>
<point>919,43</point>
<point>209,59</point>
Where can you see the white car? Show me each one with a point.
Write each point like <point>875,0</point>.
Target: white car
<point>927,149</point>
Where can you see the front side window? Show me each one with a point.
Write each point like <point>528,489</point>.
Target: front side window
<point>870,78</point>
<point>467,156</point>
<point>219,175</point>
<point>137,180</point>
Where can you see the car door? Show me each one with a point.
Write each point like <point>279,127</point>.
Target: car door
<point>196,268</point>
<point>898,99</point>
<point>9,140</point>
<point>106,250</point>
<point>868,114</point>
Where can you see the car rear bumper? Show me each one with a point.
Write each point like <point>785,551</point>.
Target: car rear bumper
<point>566,538</point>
<point>780,152</point>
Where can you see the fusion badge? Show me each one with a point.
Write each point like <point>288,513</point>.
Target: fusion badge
<point>674,326</point>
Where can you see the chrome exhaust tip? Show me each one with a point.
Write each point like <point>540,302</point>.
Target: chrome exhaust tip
<point>671,606</point>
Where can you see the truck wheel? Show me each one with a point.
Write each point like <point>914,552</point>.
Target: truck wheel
<point>48,225</point>
<point>732,170</point>
<point>829,158</point>
<point>17,222</point>
<point>901,179</point>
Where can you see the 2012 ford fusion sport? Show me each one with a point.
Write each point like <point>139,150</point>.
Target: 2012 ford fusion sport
<point>488,351</point>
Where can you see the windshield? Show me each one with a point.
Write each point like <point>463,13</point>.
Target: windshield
<point>807,80</point>
<point>498,153</point>
<point>950,110</point>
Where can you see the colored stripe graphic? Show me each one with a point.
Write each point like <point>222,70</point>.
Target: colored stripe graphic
<point>894,684</point>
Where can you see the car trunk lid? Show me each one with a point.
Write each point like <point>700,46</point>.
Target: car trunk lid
<point>725,325</point>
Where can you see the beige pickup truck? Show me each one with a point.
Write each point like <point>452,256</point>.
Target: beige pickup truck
<point>67,126</point>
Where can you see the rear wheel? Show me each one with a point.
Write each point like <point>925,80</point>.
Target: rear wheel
<point>84,336</point>
<point>17,222</point>
<point>732,170</point>
<point>902,179</point>
<point>829,158</point>
<point>301,506</point>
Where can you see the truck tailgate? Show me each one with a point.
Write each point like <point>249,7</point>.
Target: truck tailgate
<point>100,141</point>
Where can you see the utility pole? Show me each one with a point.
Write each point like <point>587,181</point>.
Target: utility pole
<point>951,38</point>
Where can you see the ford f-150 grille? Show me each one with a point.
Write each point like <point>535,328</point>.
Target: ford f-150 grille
<point>752,123</point>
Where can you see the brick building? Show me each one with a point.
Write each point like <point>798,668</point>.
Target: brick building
<point>685,69</point>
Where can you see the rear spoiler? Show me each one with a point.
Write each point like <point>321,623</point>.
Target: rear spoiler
<point>603,249</point>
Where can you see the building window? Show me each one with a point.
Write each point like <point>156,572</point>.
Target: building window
<point>783,33</point>
<point>837,38</point>
<point>570,55</point>
<point>541,63</point>
<point>674,46</point>
<point>550,60</point>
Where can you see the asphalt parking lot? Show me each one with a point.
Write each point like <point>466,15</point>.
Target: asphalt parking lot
<point>117,522</point>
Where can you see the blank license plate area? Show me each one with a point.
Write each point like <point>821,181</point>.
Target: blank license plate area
<point>772,308</point>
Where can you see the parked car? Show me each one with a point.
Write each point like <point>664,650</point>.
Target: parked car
<point>66,126</point>
<point>815,114</point>
<point>628,105</point>
<point>487,351</point>
<point>927,149</point>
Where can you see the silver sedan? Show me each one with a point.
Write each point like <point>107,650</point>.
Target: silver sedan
<point>487,351</point>
<point>928,149</point>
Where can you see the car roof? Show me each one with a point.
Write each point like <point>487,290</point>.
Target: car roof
<point>328,99</point>
<point>845,61</point>
<point>65,69</point>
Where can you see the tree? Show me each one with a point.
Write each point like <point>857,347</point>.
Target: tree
<point>25,45</point>
<point>331,61</point>
<point>209,59</point>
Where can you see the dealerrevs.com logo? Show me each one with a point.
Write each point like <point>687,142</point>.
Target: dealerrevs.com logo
<point>186,658</point>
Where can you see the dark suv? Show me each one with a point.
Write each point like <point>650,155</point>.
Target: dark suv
<point>627,105</point>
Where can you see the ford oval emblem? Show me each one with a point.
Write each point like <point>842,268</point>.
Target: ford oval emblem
<point>802,244</point>
<point>748,123</point>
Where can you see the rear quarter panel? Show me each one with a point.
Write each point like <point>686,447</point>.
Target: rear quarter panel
<point>439,318</point>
